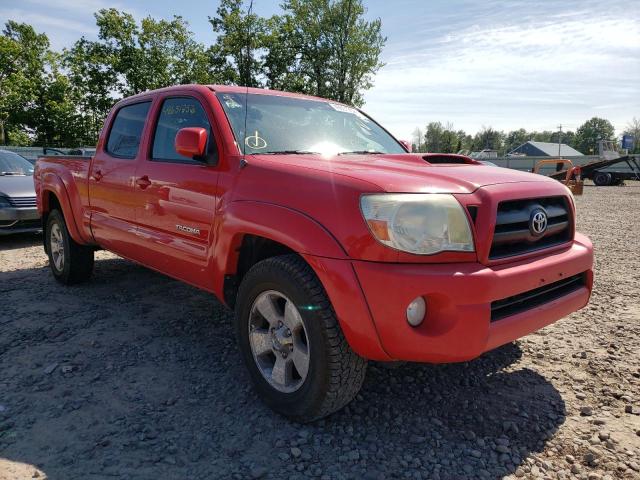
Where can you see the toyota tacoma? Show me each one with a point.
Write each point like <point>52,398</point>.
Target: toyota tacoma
<point>333,244</point>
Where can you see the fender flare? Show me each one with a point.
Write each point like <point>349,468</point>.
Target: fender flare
<point>319,248</point>
<point>292,228</point>
<point>52,183</point>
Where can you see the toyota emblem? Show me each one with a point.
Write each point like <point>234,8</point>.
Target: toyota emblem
<point>538,222</point>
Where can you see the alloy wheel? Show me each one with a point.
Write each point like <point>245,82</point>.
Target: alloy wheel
<point>278,340</point>
<point>56,246</point>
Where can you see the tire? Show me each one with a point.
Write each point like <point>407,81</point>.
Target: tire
<point>334,373</point>
<point>602,179</point>
<point>70,262</point>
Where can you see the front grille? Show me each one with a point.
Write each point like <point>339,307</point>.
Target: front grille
<point>512,235</point>
<point>536,297</point>
<point>22,201</point>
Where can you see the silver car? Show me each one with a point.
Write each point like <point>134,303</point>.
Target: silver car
<point>18,212</point>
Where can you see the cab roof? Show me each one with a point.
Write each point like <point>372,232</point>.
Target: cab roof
<point>224,89</point>
<point>263,91</point>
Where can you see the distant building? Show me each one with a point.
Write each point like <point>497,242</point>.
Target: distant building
<point>544,149</point>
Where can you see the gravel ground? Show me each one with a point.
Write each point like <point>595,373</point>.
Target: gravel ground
<point>135,375</point>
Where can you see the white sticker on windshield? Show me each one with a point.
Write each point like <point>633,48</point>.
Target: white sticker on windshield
<point>345,109</point>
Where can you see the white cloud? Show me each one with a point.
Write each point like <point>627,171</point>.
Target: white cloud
<point>533,63</point>
<point>42,21</point>
<point>73,5</point>
<point>66,21</point>
<point>512,69</point>
<point>80,6</point>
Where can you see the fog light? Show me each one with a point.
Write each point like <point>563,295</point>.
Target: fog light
<point>416,311</point>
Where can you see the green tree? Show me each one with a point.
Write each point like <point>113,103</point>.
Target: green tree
<point>23,58</point>
<point>335,51</point>
<point>130,58</point>
<point>35,99</point>
<point>91,80</point>
<point>515,138</point>
<point>155,54</point>
<point>488,138</point>
<point>280,56</point>
<point>433,137</point>
<point>451,141</point>
<point>17,136</point>
<point>439,138</point>
<point>54,116</point>
<point>543,136</point>
<point>465,141</point>
<point>357,46</point>
<point>568,138</point>
<point>310,40</point>
<point>590,132</point>
<point>240,33</point>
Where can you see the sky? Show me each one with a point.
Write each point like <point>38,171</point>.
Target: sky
<point>506,64</point>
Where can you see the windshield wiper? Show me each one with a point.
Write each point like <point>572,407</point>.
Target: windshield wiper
<point>13,173</point>
<point>285,152</point>
<point>362,152</point>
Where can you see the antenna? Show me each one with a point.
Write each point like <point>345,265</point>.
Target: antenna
<point>247,75</point>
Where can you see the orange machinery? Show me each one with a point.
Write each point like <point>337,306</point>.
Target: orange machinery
<point>572,179</point>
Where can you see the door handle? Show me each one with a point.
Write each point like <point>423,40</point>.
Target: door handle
<point>143,182</point>
<point>97,175</point>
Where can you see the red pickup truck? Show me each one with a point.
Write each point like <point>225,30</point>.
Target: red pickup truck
<point>333,244</point>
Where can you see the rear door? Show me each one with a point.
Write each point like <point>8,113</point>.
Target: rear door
<point>176,195</point>
<point>111,178</point>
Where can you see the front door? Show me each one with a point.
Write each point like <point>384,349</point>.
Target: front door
<point>176,195</point>
<point>111,179</point>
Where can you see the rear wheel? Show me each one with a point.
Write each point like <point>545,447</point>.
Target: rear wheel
<point>298,358</point>
<point>602,179</point>
<point>70,262</point>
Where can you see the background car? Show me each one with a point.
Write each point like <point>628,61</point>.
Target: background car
<point>18,212</point>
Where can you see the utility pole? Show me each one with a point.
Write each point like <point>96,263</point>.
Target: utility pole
<point>559,138</point>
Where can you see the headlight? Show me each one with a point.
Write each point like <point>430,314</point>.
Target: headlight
<point>418,223</point>
<point>4,202</point>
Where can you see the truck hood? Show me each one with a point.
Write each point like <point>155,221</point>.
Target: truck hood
<point>409,173</point>
<point>17,186</point>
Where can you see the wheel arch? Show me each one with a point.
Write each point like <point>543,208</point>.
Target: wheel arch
<point>252,231</point>
<point>245,229</point>
<point>54,194</point>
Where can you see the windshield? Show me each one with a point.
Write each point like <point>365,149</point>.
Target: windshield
<point>13,164</point>
<point>277,124</point>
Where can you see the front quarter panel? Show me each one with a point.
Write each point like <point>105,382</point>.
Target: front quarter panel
<point>317,246</point>
<point>291,228</point>
<point>66,179</point>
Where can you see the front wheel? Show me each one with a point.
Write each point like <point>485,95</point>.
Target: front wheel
<point>70,262</point>
<point>299,360</point>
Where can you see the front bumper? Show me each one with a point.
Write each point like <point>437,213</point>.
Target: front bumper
<point>19,220</point>
<point>458,325</point>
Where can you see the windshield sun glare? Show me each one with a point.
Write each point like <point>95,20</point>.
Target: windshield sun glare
<point>291,125</point>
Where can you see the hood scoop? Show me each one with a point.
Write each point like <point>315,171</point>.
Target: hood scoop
<point>449,159</point>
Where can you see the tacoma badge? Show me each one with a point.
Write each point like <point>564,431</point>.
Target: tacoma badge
<point>191,230</point>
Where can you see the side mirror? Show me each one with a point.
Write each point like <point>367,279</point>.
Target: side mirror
<point>406,144</point>
<point>191,142</point>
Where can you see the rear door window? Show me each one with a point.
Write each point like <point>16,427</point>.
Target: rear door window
<point>126,130</point>
<point>177,113</point>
